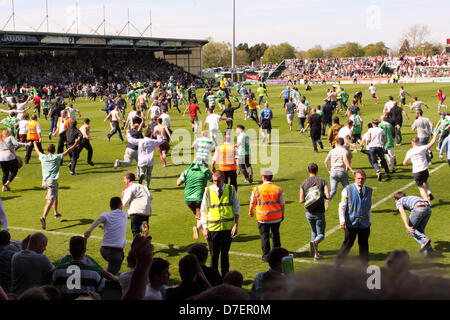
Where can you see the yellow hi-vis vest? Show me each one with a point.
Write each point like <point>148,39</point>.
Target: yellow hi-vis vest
<point>220,211</point>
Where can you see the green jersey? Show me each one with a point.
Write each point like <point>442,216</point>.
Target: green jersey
<point>344,96</point>
<point>203,147</point>
<point>132,95</point>
<point>443,123</point>
<point>243,141</point>
<point>357,122</point>
<point>192,89</point>
<point>195,177</point>
<point>389,131</point>
<point>9,122</point>
<point>261,91</point>
<point>212,100</point>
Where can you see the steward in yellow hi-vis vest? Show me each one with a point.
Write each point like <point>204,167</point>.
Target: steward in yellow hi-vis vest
<point>219,216</point>
<point>268,200</point>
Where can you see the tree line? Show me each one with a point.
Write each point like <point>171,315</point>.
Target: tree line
<point>413,42</point>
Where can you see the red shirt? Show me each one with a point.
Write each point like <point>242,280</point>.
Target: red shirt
<point>37,101</point>
<point>440,97</point>
<point>193,110</point>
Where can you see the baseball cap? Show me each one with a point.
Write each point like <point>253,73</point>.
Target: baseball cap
<point>443,113</point>
<point>267,173</point>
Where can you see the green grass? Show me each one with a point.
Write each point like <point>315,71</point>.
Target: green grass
<point>85,196</point>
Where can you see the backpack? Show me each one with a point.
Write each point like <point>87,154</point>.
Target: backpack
<point>313,195</point>
<point>443,97</point>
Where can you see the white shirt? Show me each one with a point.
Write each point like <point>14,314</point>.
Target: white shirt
<point>213,121</point>
<point>71,112</point>
<point>376,137</point>
<point>23,126</point>
<point>204,208</point>
<point>153,294</point>
<point>372,89</point>
<point>146,147</point>
<point>20,108</point>
<point>388,106</point>
<point>138,198</point>
<point>115,228</point>
<point>418,158</point>
<point>343,204</point>
<point>155,111</point>
<point>166,119</point>
<point>131,115</point>
<point>302,110</point>
<point>345,132</point>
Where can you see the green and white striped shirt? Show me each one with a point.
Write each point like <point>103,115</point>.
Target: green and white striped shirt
<point>203,147</point>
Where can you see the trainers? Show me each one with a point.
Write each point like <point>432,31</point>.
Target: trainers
<point>379,176</point>
<point>388,177</point>
<point>195,234</point>
<point>91,163</point>
<point>425,245</point>
<point>116,164</point>
<point>430,197</point>
<point>43,223</point>
<point>311,249</point>
<point>58,215</point>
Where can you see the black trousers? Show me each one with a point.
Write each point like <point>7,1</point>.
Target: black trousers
<point>74,155</point>
<point>9,169</point>
<point>30,149</point>
<point>61,141</point>
<point>136,223</point>
<point>267,231</point>
<point>219,243</point>
<point>85,144</point>
<point>349,240</point>
<point>315,138</point>
<point>374,154</point>
<point>232,176</point>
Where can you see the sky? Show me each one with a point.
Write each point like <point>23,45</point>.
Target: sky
<point>302,23</point>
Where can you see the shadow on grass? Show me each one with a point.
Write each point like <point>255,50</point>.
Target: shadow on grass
<point>323,253</point>
<point>164,177</point>
<point>40,189</point>
<point>440,203</point>
<point>96,171</point>
<point>385,211</point>
<point>442,246</point>
<point>174,251</point>
<point>9,197</point>
<point>81,222</point>
<point>245,238</point>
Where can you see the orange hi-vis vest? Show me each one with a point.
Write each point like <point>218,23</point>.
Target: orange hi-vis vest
<point>268,205</point>
<point>32,133</point>
<point>226,157</point>
<point>66,124</point>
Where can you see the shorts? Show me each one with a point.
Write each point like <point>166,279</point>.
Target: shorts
<point>421,177</point>
<point>193,119</point>
<point>356,137</point>
<point>165,146</point>
<point>266,125</point>
<point>403,101</point>
<point>374,96</point>
<point>194,205</point>
<point>222,100</point>
<point>290,117</point>
<point>52,189</point>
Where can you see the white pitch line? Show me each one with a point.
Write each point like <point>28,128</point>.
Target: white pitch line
<point>306,246</point>
<point>162,245</point>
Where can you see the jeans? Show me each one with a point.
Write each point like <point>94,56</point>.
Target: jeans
<point>418,219</point>
<point>301,122</point>
<point>128,157</point>
<point>335,178</point>
<point>398,134</point>
<point>246,167</point>
<point>145,171</point>
<point>374,154</point>
<point>53,125</point>
<point>317,224</point>
<point>114,258</point>
<point>423,142</point>
<point>116,128</point>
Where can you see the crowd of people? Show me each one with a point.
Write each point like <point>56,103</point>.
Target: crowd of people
<point>216,208</point>
<point>337,69</point>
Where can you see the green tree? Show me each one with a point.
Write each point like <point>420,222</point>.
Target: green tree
<point>405,48</point>
<point>216,54</point>
<point>315,52</point>
<point>256,52</point>
<point>277,53</point>
<point>242,46</point>
<point>349,49</point>
<point>377,49</point>
<point>241,57</point>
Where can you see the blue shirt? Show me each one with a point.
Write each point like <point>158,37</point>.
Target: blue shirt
<point>409,202</point>
<point>266,114</point>
<point>243,91</point>
<point>445,144</point>
<point>287,93</point>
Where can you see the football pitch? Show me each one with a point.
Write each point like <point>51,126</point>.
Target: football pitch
<point>83,197</point>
